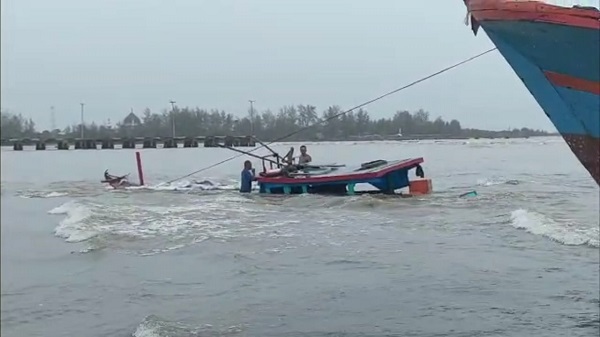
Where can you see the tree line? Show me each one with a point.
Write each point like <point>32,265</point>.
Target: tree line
<point>303,120</point>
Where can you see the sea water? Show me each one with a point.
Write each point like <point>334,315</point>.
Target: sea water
<point>193,258</point>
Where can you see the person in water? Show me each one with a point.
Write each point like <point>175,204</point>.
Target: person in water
<point>248,176</point>
<point>114,181</point>
<point>304,157</point>
<point>109,178</point>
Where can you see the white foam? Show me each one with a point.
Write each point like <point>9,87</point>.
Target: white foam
<point>153,326</point>
<point>72,228</point>
<point>489,182</point>
<point>29,195</point>
<point>565,233</point>
<point>64,208</point>
<point>56,194</point>
<point>184,185</point>
<point>166,227</point>
<point>496,181</point>
<point>146,330</point>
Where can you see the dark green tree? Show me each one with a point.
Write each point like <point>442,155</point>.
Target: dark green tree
<point>267,126</point>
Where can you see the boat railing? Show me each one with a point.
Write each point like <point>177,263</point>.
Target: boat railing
<point>569,3</point>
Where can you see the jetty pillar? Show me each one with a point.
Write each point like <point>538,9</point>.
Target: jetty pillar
<point>210,141</point>
<point>62,145</point>
<point>40,145</point>
<point>190,142</point>
<point>108,144</point>
<point>246,141</point>
<point>229,141</point>
<point>129,143</point>
<point>170,143</point>
<point>149,143</point>
<point>85,144</point>
<point>90,144</point>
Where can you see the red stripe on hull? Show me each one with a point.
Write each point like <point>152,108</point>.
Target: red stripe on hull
<point>510,10</point>
<point>587,150</point>
<point>571,82</point>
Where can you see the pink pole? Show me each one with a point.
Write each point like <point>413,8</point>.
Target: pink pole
<point>139,167</point>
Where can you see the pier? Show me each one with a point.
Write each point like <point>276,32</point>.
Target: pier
<point>130,143</point>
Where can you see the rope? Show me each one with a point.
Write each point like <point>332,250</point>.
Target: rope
<point>341,113</point>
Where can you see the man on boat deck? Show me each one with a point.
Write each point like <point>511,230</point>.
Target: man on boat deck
<point>248,175</point>
<point>304,157</point>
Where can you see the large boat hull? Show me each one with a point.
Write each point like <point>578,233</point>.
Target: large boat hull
<point>555,51</point>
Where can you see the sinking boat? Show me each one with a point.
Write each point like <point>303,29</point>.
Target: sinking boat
<point>383,176</point>
<point>119,185</point>
<point>285,177</point>
<point>117,182</point>
<point>555,51</point>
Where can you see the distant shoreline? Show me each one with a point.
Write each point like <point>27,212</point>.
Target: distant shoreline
<point>413,137</point>
<point>292,123</point>
<point>435,137</point>
<point>6,143</point>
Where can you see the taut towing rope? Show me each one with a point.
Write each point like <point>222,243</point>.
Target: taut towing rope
<point>340,114</point>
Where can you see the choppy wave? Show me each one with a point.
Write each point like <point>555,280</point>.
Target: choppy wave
<point>70,228</point>
<point>564,233</point>
<point>497,181</point>
<point>146,225</point>
<point>59,189</point>
<point>153,326</point>
<point>184,185</point>
<point>79,189</point>
<point>159,227</point>
<point>42,194</point>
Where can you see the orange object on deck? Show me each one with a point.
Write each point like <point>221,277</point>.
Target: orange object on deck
<point>420,187</point>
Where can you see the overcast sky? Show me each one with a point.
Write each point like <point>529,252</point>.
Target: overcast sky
<point>115,55</point>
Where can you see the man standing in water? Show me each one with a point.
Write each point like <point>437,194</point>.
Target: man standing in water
<point>304,157</point>
<point>248,175</point>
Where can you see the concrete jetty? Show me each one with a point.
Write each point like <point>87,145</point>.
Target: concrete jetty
<point>129,142</point>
